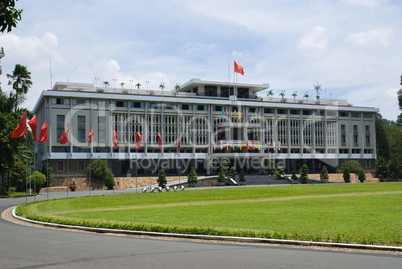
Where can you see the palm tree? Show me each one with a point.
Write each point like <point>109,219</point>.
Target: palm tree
<point>106,83</point>
<point>270,93</point>
<point>138,85</point>
<point>282,94</point>
<point>162,86</point>
<point>20,79</point>
<point>122,85</point>
<point>294,95</point>
<point>306,96</point>
<point>177,87</point>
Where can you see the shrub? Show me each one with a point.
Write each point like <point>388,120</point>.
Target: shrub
<point>162,178</point>
<point>221,175</point>
<point>294,177</point>
<point>324,174</point>
<point>232,172</point>
<point>304,173</point>
<point>47,171</point>
<point>109,181</point>
<point>192,177</point>
<point>280,171</point>
<point>346,174</point>
<point>225,166</point>
<point>241,176</point>
<point>362,175</point>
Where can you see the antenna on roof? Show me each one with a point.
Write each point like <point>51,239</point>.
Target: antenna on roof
<point>50,64</point>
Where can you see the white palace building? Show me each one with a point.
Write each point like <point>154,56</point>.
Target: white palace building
<point>213,120</point>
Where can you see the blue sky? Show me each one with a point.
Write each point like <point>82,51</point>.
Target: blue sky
<point>353,48</point>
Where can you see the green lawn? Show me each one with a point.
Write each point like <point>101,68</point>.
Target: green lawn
<point>355,213</point>
<point>15,195</point>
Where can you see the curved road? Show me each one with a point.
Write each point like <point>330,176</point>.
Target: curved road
<point>29,247</point>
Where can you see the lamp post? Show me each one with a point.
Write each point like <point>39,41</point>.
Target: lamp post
<point>147,82</point>
<point>131,84</point>
<point>114,84</point>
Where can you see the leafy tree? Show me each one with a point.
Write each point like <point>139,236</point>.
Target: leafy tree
<point>18,175</point>
<point>192,176</point>
<point>306,96</point>
<point>382,143</point>
<point>99,170</point>
<point>353,165</point>
<point>9,15</point>
<point>304,173</point>
<point>47,171</point>
<point>324,174</point>
<point>382,167</point>
<point>346,174</point>
<point>162,178</point>
<point>138,85</point>
<point>39,178</point>
<point>395,168</point>
<point>294,95</point>
<point>106,83</point>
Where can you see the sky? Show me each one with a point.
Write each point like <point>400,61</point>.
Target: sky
<point>352,48</point>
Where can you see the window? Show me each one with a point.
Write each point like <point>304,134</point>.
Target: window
<point>186,107</point>
<point>355,115</point>
<point>137,104</point>
<point>282,111</point>
<point>201,107</point>
<point>331,113</point>
<point>217,108</point>
<point>60,118</point>
<point>154,105</point>
<point>101,134</point>
<point>81,135</point>
<point>368,115</point>
<point>294,112</point>
<point>368,163</point>
<point>269,110</point>
<point>60,101</point>
<point>80,101</point>
<point>120,103</point>
<point>81,166</point>
<point>81,119</point>
<point>224,91</point>
<point>307,112</point>
<point>101,119</point>
<point>60,165</point>
<point>211,90</point>
<point>343,114</point>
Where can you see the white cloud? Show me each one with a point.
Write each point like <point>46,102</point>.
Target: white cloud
<point>378,37</point>
<point>313,43</point>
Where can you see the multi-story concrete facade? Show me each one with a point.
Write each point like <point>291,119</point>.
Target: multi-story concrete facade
<point>213,120</point>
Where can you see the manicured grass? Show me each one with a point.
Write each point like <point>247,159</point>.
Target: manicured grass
<point>355,213</point>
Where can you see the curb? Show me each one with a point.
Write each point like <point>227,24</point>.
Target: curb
<point>215,237</point>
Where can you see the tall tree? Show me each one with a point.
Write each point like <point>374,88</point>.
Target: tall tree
<point>9,15</point>
<point>20,79</point>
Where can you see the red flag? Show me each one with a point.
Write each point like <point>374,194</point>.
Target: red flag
<point>115,139</point>
<point>90,137</point>
<point>21,129</point>
<point>33,124</point>
<point>248,145</point>
<point>160,141</point>
<point>138,140</point>
<point>178,145</point>
<point>43,133</point>
<point>238,68</point>
<point>64,136</point>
